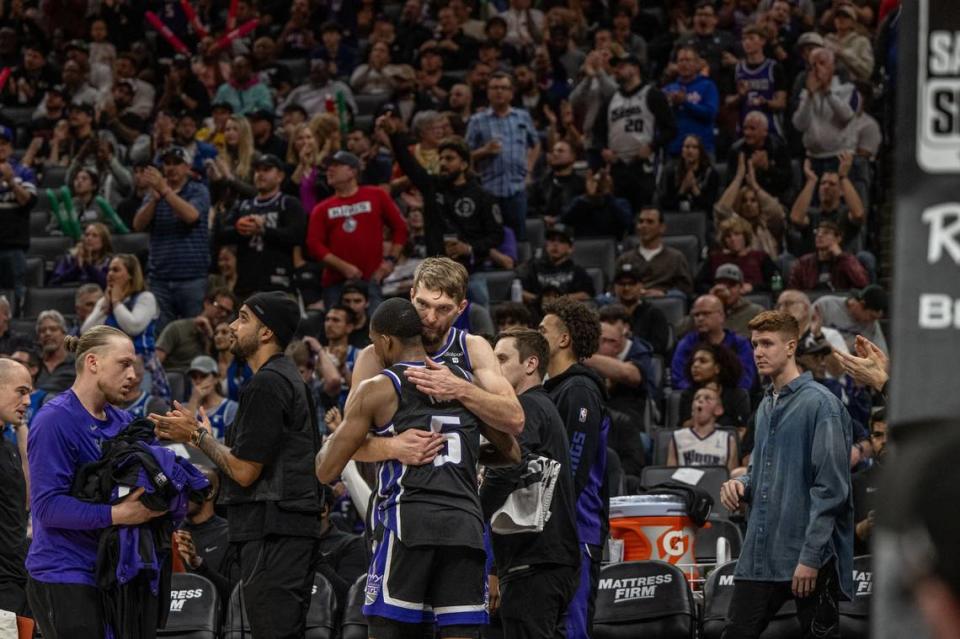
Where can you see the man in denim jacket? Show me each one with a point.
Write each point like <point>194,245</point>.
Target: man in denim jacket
<point>800,527</point>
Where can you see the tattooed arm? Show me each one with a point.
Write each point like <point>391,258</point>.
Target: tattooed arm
<point>180,426</point>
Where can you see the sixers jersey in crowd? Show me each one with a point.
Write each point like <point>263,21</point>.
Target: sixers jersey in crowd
<point>435,504</point>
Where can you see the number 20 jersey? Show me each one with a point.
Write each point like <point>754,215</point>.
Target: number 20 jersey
<point>435,504</point>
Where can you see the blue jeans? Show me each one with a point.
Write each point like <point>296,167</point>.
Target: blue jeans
<point>13,273</point>
<point>177,299</point>
<point>514,211</point>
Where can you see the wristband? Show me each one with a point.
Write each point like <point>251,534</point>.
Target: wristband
<point>198,436</point>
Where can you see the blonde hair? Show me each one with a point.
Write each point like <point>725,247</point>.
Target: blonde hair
<point>292,155</point>
<point>444,275</point>
<point>736,224</point>
<point>132,264</point>
<point>95,340</point>
<point>244,161</point>
<point>326,129</point>
<point>776,322</point>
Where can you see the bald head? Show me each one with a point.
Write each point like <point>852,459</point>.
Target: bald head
<point>797,304</point>
<point>708,315</point>
<point>15,388</point>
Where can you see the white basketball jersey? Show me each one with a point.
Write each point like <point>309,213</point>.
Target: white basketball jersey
<point>712,450</point>
<point>631,123</point>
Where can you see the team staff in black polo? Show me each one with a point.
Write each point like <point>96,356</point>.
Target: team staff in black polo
<point>269,490</point>
<point>15,388</point>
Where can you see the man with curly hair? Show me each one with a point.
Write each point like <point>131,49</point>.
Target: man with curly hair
<point>572,329</point>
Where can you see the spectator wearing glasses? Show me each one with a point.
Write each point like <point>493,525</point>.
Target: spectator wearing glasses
<point>505,149</point>
<point>184,339</point>
<point>708,319</point>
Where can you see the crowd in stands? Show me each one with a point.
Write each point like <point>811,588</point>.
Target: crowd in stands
<point>682,164</point>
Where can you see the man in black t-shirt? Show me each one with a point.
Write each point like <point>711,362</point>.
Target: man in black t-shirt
<point>15,388</point>
<point>535,572</point>
<point>271,496</point>
<point>556,274</point>
<point>266,230</point>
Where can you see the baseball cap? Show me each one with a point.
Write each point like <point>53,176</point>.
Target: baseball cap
<point>560,230</point>
<point>874,298</point>
<point>59,89</point>
<point>269,160</point>
<point>729,272</point>
<point>261,114</point>
<point>203,364</point>
<point>355,286</point>
<point>814,346</point>
<point>222,104</point>
<point>177,153</point>
<point>627,269</point>
<point>345,157</point>
<point>810,38</point>
<point>6,133</point>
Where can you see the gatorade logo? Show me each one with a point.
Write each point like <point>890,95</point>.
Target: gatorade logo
<point>673,545</point>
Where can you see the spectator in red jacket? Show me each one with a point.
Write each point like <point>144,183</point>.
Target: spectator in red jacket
<point>828,267</point>
<point>346,231</point>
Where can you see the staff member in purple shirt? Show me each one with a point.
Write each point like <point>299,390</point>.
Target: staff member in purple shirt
<point>67,433</point>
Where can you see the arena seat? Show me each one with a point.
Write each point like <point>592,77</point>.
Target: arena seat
<point>657,364</point>
<point>24,325</point>
<point>18,116</point>
<point>706,541</point>
<point>689,245</point>
<point>671,418</point>
<point>297,67</point>
<point>53,178</point>
<point>498,284</point>
<point>354,624</point>
<point>855,614</point>
<point>320,616</point>
<point>536,231</point>
<point>674,308</point>
<point>763,299</point>
<point>524,252</point>
<point>369,103</point>
<point>50,249</point>
<point>134,243</point>
<point>615,476</point>
<point>38,223</point>
<point>597,253</point>
<point>661,444</point>
<point>596,274</point>
<point>364,122</point>
<point>644,599</point>
<point>687,224</point>
<point>717,592</point>
<point>194,608</point>
<point>44,299</point>
<point>178,385</point>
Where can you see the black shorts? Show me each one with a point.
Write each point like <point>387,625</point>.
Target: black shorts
<point>445,585</point>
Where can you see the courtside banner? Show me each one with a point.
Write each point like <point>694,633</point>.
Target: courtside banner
<point>926,292</point>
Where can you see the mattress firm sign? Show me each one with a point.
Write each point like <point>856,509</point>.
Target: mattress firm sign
<point>926,293</point>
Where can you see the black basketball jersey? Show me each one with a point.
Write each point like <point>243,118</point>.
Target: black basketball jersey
<point>454,351</point>
<point>436,504</point>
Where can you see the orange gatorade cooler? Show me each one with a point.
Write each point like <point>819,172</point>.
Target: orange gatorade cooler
<point>653,527</point>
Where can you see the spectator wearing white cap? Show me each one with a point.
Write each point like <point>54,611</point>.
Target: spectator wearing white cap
<point>853,49</point>
<point>205,394</point>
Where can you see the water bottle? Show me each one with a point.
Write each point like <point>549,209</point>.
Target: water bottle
<point>516,290</point>
<point>776,283</point>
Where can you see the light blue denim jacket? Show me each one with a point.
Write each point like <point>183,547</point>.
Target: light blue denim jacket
<point>798,486</point>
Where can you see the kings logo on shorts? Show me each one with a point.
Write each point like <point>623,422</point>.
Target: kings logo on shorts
<point>938,87</point>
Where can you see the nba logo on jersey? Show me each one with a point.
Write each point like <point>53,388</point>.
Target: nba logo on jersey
<point>583,415</point>
<point>938,87</point>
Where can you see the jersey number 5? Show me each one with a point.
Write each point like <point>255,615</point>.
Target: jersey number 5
<point>451,451</point>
